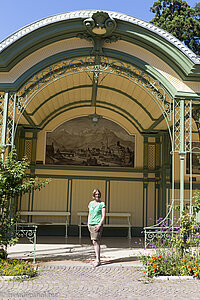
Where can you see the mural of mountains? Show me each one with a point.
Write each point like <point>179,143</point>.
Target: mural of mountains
<point>78,141</point>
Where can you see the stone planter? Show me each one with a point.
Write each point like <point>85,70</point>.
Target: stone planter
<point>173,277</point>
<point>14,277</point>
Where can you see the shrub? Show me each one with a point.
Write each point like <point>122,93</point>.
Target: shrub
<point>16,267</point>
<point>14,182</point>
<point>3,254</point>
<point>178,253</point>
<point>170,263</point>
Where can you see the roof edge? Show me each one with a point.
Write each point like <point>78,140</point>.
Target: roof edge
<point>88,13</point>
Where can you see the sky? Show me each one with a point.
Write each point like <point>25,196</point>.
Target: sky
<point>16,14</point>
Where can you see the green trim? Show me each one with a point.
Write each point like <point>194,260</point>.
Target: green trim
<point>38,39</point>
<point>143,206</point>
<point>99,87</point>
<point>131,98</point>
<point>129,32</point>
<point>106,195</point>
<point>160,47</point>
<point>187,95</point>
<point>29,204</point>
<point>157,122</point>
<point>102,169</point>
<point>59,93</point>
<point>155,202</point>
<point>82,52</point>
<point>83,177</point>
<point>20,203</point>
<point>94,91</point>
<point>147,205</point>
<point>67,194</point>
<point>108,108</point>
<point>70,201</point>
<point>31,208</point>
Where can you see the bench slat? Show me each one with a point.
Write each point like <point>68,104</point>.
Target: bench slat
<point>85,214</point>
<point>45,213</point>
<point>113,214</point>
<point>110,225</point>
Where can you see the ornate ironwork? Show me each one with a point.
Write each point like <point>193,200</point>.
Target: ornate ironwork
<point>1,114</point>
<point>187,118</point>
<point>104,66</point>
<point>182,144</point>
<point>29,232</point>
<point>160,233</point>
<point>92,65</point>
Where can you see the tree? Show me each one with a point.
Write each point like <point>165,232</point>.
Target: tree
<point>179,19</point>
<point>14,182</point>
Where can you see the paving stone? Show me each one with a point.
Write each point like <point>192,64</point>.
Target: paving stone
<point>83,282</point>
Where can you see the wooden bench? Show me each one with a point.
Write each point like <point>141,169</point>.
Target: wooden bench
<point>45,213</point>
<point>116,215</point>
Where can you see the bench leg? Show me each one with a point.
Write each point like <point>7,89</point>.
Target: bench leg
<point>79,231</point>
<point>129,232</point>
<point>66,231</point>
<point>34,247</point>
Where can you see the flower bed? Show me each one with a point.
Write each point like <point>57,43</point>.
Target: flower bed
<point>177,253</point>
<point>171,264</point>
<point>16,267</point>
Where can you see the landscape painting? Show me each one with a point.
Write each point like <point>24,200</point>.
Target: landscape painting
<point>78,142</point>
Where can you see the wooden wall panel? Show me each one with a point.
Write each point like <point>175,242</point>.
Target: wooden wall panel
<point>82,195</point>
<point>24,202</point>
<point>53,197</point>
<point>126,196</point>
<point>151,204</point>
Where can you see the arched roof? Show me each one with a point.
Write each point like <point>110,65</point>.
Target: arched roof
<point>130,29</point>
<point>147,68</point>
<point>88,13</point>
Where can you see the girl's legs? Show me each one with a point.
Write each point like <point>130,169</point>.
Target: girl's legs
<point>97,251</point>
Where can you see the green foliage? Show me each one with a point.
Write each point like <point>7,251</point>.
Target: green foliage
<point>16,267</point>
<point>14,182</point>
<point>170,263</point>
<point>3,254</point>
<point>179,19</point>
<point>196,205</point>
<point>187,236</point>
<point>177,252</point>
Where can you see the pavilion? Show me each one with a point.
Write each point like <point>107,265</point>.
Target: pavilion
<point>102,99</point>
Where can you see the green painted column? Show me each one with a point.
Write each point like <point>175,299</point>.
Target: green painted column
<point>145,182</point>
<point>165,171</point>
<point>182,154</point>
<point>157,177</point>
<point>4,124</point>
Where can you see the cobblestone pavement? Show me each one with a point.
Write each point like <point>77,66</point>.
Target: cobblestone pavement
<point>81,282</point>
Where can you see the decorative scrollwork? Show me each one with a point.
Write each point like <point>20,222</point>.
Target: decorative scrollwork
<point>27,231</point>
<point>96,66</point>
<point>99,29</point>
<point>153,234</point>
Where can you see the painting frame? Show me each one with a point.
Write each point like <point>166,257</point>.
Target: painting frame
<point>77,142</point>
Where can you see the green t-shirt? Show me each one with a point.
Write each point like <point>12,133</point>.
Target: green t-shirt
<point>95,212</point>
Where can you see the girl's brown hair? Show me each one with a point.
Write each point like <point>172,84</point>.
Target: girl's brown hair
<point>94,192</point>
